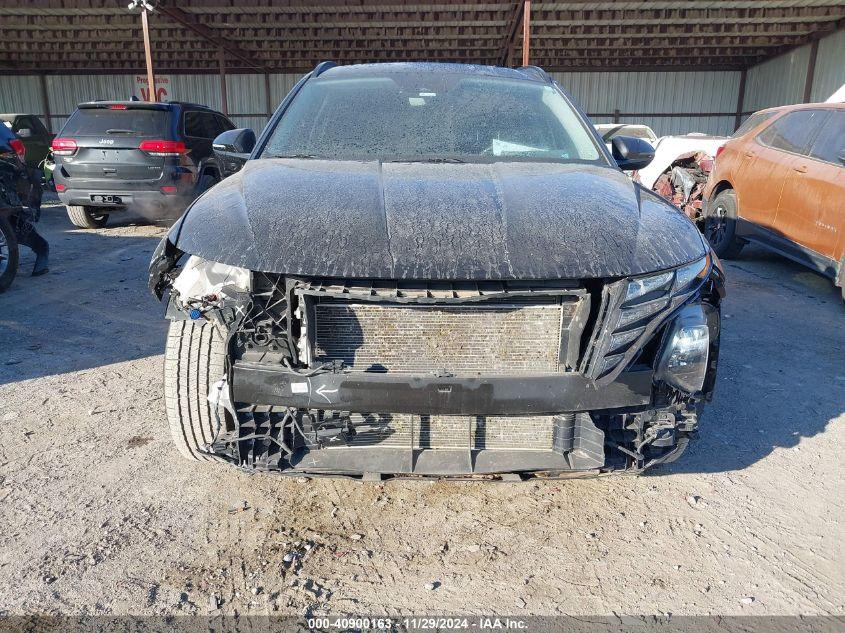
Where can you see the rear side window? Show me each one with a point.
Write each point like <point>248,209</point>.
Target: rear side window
<point>830,146</point>
<point>201,125</point>
<point>794,131</point>
<point>132,121</point>
<point>224,123</point>
<point>751,122</point>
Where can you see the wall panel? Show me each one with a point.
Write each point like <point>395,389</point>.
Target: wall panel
<point>830,67</point>
<point>643,93</point>
<point>778,81</point>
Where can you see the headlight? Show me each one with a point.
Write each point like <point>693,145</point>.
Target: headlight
<point>200,278</point>
<point>683,360</point>
<point>644,285</point>
<point>680,280</point>
<point>645,297</point>
<point>687,276</point>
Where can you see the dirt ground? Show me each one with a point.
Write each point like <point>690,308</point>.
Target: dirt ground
<point>98,514</point>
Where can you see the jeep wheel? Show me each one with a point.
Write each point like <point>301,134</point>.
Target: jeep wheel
<point>8,254</point>
<point>720,226</point>
<point>86,217</point>
<point>205,182</point>
<point>193,362</point>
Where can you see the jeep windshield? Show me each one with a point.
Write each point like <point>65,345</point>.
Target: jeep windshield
<point>432,118</point>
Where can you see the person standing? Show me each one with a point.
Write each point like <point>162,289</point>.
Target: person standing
<point>20,189</point>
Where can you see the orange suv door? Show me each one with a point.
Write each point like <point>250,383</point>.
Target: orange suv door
<point>770,158</point>
<point>823,182</point>
<point>799,204</point>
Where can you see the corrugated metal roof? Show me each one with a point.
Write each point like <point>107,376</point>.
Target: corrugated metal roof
<point>294,36</point>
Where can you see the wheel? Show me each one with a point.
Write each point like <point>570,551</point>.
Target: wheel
<point>205,182</point>
<point>86,217</point>
<point>720,226</point>
<point>8,254</point>
<point>193,362</point>
<point>842,278</point>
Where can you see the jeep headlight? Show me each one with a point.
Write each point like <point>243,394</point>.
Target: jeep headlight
<point>683,359</point>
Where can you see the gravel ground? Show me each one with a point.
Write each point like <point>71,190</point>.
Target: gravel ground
<point>98,514</point>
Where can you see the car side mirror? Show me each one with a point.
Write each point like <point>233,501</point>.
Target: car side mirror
<point>237,141</point>
<point>232,149</point>
<point>24,132</point>
<point>631,153</point>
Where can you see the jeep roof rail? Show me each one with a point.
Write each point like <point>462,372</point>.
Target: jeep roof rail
<point>537,72</point>
<point>322,67</point>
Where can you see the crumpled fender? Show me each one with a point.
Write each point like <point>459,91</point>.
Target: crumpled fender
<point>165,258</point>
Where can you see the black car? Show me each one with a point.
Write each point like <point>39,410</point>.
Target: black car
<point>150,157</point>
<point>32,133</point>
<point>436,269</point>
<point>20,202</point>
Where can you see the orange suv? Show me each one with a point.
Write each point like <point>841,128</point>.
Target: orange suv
<point>780,182</point>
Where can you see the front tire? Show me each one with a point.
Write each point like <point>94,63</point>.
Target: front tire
<point>86,217</point>
<point>193,362</point>
<point>8,254</point>
<point>720,226</point>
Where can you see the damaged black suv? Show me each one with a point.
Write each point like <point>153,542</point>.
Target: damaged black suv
<point>435,269</point>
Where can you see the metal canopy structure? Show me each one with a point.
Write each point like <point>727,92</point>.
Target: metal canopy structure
<point>102,36</point>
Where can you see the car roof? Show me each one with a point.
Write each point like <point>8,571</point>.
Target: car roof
<point>11,116</point>
<point>806,106</point>
<point>527,73</point>
<point>145,104</point>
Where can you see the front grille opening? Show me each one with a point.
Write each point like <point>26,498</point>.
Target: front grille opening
<point>441,328</point>
<point>496,338</point>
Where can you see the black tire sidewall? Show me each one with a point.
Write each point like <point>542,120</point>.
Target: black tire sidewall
<point>11,271</point>
<point>205,182</point>
<point>103,216</point>
<point>727,200</point>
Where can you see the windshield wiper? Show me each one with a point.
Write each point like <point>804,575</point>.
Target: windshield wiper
<point>434,159</point>
<point>293,156</point>
<point>119,131</point>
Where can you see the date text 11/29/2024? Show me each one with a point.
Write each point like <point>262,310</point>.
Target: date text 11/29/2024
<point>423,623</point>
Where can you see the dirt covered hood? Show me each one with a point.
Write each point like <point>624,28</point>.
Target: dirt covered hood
<point>517,220</point>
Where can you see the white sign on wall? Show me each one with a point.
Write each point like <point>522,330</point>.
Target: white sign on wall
<point>141,88</point>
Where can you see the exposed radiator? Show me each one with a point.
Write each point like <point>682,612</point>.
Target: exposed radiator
<point>477,338</point>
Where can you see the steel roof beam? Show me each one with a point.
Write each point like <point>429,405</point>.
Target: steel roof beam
<point>189,22</point>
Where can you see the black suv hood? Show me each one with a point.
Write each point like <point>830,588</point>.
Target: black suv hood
<point>516,220</point>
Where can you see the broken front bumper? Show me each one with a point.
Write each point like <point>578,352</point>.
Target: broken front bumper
<point>264,384</point>
<point>444,425</point>
<point>348,380</point>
